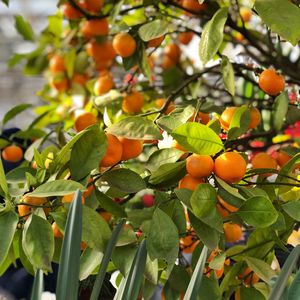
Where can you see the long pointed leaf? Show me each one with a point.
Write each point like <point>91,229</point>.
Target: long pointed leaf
<point>38,286</point>
<point>69,264</point>
<point>280,284</point>
<point>135,275</point>
<point>194,285</point>
<point>106,258</point>
<point>294,290</point>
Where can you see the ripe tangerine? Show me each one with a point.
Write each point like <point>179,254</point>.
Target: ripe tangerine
<point>199,166</point>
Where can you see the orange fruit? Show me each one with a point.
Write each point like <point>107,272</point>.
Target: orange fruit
<point>84,120</point>
<point>60,84</point>
<point>203,118</point>
<point>167,62</point>
<point>113,151</point>
<point>271,82</point>
<point>103,65</point>
<point>133,103</point>
<point>282,158</point>
<point>246,14</point>
<point>233,232</point>
<point>160,103</point>
<point>93,28</point>
<point>185,37</point>
<point>94,5</point>
<point>189,182</point>
<point>255,117</point>
<point>230,167</point>
<point>124,44</point>
<point>57,64</point>
<point>69,198</point>
<point>249,278</point>
<point>154,43</point>
<point>101,52</point>
<point>80,79</point>
<point>25,210</point>
<point>193,5</point>
<point>263,160</point>
<point>103,84</point>
<point>188,243</point>
<point>70,12</point>
<point>57,233</point>
<point>12,153</point>
<point>131,148</point>
<point>199,166</point>
<point>173,51</point>
<point>226,117</point>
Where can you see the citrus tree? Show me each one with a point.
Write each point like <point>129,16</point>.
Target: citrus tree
<point>180,117</point>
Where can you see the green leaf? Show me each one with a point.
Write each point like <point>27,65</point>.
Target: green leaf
<point>195,283</point>
<point>294,289</point>
<point>176,118</point>
<point>250,293</point>
<point>258,211</point>
<point>87,153</point>
<point>260,268</point>
<point>107,256</point>
<point>168,174</point>
<point>228,75</point>
<point>163,240</point>
<point>38,242</point>
<point>15,111</point>
<point>239,123</point>
<point>208,235</point>
<point>59,187</point>
<point>282,17</point>
<point>24,28</point>
<point>90,259</point>
<point>4,143</point>
<point>38,286</point>
<point>8,224</point>
<point>18,175</point>
<point>209,286</point>
<point>68,273</point>
<point>3,182</point>
<point>110,205</point>
<point>134,278</point>
<point>124,180</point>
<point>203,200</point>
<point>212,35</point>
<point>163,156</point>
<point>153,30</point>
<point>137,128</point>
<point>198,138</point>
<point>118,258</point>
<point>280,109</point>
<point>112,97</point>
<point>292,209</point>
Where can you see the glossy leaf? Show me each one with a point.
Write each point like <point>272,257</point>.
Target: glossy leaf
<point>198,138</point>
<point>280,108</point>
<point>15,111</point>
<point>8,225</point>
<point>212,35</point>
<point>228,75</point>
<point>292,209</point>
<point>68,274</point>
<point>274,14</point>
<point>124,180</point>
<point>195,283</point>
<point>106,258</point>
<point>153,30</point>
<point>136,128</point>
<point>57,188</point>
<point>258,211</point>
<point>87,152</point>
<point>38,242</point>
<point>38,286</point>
<point>24,28</point>
<point>260,268</point>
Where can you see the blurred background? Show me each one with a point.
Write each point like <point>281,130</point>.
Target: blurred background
<point>15,88</point>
